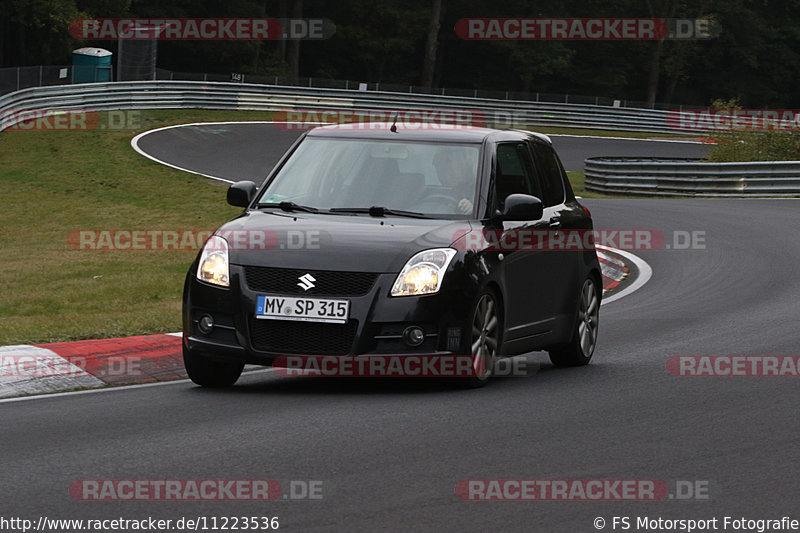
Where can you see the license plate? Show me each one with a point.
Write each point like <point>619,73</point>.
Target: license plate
<point>305,309</point>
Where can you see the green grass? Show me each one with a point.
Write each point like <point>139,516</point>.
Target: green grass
<point>739,146</point>
<point>576,179</point>
<point>606,133</point>
<point>57,181</point>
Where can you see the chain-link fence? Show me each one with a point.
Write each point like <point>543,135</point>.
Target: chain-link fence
<point>323,83</point>
<point>14,79</point>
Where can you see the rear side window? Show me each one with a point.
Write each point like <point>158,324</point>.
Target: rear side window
<point>514,173</point>
<point>549,174</point>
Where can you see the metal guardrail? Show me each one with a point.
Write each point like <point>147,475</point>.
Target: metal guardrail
<point>651,177</point>
<point>690,177</point>
<point>221,95</point>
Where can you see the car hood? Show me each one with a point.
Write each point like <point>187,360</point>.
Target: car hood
<point>356,243</point>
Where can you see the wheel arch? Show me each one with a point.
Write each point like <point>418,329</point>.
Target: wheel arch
<point>598,279</point>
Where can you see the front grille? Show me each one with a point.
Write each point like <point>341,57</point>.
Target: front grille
<point>306,338</point>
<point>328,282</point>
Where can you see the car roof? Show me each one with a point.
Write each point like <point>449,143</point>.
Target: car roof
<point>423,132</point>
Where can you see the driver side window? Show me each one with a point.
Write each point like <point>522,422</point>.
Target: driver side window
<point>514,173</point>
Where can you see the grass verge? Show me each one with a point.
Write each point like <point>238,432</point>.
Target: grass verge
<point>576,179</point>
<point>54,182</point>
<point>606,133</point>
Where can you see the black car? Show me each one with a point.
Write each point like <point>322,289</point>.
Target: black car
<point>396,241</point>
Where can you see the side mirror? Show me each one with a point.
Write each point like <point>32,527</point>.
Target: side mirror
<point>522,207</point>
<point>241,193</point>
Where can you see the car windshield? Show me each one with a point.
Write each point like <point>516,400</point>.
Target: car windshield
<point>436,179</point>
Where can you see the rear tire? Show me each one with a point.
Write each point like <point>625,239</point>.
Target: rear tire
<point>207,372</point>
<point>580,348</point>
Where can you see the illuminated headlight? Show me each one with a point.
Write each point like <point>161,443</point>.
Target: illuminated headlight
<point>423,273</point>
<point>213,266</point>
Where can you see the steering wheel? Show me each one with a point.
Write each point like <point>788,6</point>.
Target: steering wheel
<point>438,199</point>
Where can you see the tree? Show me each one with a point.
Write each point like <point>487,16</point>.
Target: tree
<point>429,63</point>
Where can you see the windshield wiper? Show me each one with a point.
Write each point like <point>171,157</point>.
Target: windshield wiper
<point>291,206</point>
<point>379,211</point>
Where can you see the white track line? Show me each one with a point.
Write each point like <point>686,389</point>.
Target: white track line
<point>645,273</point>
<point>120,388</point>
<point>135,141</point>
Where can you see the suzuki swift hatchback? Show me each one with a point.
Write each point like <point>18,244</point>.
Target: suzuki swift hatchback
<point>379,241</point>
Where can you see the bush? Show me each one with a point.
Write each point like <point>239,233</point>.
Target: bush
<point>749,145</point>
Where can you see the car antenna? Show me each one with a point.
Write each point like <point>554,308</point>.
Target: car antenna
<point>393,129</point>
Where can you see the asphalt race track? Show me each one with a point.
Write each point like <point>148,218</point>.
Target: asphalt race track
<point>248,151</point>
<point>390,453</point>
<point>574,150</point>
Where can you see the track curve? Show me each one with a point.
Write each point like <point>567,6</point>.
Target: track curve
<point>237,151</point>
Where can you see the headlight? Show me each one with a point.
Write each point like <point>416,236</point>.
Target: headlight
<point>213,266</point>
<point>423,273</point>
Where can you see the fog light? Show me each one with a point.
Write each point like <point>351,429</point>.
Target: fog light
<point>206,324</point>
<point>413,336</point>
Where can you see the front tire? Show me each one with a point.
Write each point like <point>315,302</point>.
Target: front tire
<point>485,338</point>
<point>580,348</point>
<point>207,372</point>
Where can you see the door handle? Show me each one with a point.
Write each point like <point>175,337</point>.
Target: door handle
<point>555,222</point>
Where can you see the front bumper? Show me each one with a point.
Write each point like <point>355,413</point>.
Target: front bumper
<point>375,325</point>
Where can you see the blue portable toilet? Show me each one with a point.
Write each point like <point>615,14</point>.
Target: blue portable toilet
<point>91,65</point>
